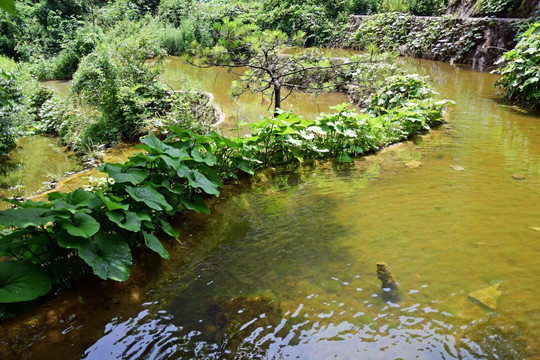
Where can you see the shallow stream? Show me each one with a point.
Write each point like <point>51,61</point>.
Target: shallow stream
<point>286,268</point>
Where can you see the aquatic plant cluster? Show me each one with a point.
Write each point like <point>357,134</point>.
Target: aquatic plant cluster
<point>9,98</point>
<point>52,243</point>
<point>520,70</point>
<point>445,38</point>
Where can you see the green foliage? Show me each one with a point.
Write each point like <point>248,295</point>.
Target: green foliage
<point>176,11</point>
<point>125,10</point>
<point>364,7</point>
<point>520,82</point>
<point>36,100</point>
<point>445,38</point>
<point>426,7</point>
<point>188,108</point>
<point>399,91</point>
<point>20,97</point>
<point>186,21</point>
<point>321,21</point>
<point>60,117</point>
<point>401,6</point>
<point>495,7</point>
<point>45,26</point>
<point>9,97</point>
<point>20,281</point>
<point>64,65</point>
<point>117,80</point>
<point>8,27</point>
<point>15,88</point>
<point>8,6</point>
<point>367,78</point>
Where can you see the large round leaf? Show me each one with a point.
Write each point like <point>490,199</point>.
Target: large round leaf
<point>108,255</point>
<point>75,200</point>
<point>25,217</point>
<point>22,282</point>
<point>83,225</point>
<point>149,196</point>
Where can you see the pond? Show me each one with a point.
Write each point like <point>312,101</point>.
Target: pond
<point>286,268</point>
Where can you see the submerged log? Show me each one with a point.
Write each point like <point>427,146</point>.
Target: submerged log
<point>389,286</point>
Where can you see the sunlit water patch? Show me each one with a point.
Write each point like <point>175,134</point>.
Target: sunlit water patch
<point>32,166</point>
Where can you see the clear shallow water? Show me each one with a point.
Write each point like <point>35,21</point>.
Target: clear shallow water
<point>36,160</point>
<point>286,268</point>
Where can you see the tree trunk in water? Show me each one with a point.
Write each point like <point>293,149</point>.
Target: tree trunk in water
<point>277,98</point>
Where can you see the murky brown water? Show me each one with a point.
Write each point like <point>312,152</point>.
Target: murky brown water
<point>286,268</point>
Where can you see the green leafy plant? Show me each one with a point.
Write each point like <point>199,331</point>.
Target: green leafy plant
<point>520,82</point>
<point>444,38</point>
<point>495,7</point>
<point>8,6</point>
<point>7,136</point>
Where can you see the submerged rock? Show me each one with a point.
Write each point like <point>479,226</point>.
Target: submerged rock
<point>457,168</point>
<point>518,177</point>
<point>413,164</point>
<point>389,285</point>
<point>487,297</point>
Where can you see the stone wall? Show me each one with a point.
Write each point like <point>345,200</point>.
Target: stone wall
<point>478,42</point>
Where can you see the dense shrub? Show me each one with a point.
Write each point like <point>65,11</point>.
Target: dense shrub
<point>45,26</point>
<point>37,98</point>
<point>322,21</point>
<point>175,11</point>
<point>16,86</point>
<point>189,109</point>
<point>125,10</point>
<point>119,81</point>
<point>9,96</point>
<point>426,7</point>
<point>179,40</point>
<point>181,22</point>
<point>520,82</point>
<point>368,78</point>
<point>64,65</point>
<point>364,7</point>
<point>62,118</point>
<point>8,28</point>
<point>495,7</point>
<point>445,38</point>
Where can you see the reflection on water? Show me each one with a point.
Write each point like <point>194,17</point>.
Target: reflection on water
<point>36,160</point>
<point>286,269</point>
<point>249,107</point>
